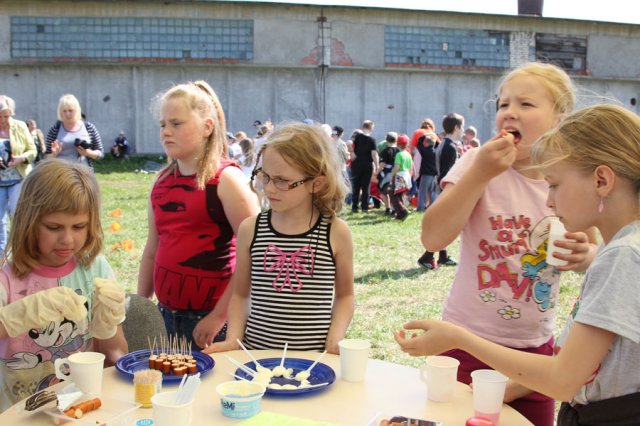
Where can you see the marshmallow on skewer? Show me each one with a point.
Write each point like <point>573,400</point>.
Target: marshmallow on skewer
<point>259,368</point>
<point>280,370</point>
<point>304,375</point>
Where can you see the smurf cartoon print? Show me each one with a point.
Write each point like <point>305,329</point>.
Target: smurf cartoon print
<point>522,245</point>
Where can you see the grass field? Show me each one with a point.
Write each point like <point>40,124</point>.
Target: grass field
<point>390,287</point>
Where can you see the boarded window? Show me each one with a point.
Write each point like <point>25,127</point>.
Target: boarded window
<point>567,52</point>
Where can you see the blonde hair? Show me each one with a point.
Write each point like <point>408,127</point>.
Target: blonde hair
<point>428,123</point>
<point>556,82</point>
<point>54,186</point>
<point>202,99</point>
<point>306,148</point>
<point>69,100</point>
<point>7,103</point>
<point>594,136</point>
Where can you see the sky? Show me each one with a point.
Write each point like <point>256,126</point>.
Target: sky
<point>623,11</point>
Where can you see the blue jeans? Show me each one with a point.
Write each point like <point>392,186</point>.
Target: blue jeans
<point>182,323</point>
<point>8,200</point>
<point>427,186</point>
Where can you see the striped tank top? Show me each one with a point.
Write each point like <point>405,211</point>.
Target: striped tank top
<point>292,287</point>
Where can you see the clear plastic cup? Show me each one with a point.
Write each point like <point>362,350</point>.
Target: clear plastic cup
<point>488,393</point>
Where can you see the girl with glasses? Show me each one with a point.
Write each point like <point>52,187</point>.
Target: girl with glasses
<point>294,277</point>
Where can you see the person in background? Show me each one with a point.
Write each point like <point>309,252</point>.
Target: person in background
<point>301,177</point>
<point>196,205</point>
<point>447,154</point>
<point>385,176</point>
<point>257,124</point>
<point>427,172</point>
<point>233,147</point>
<point>470,133</point>
<point>120,148</point>
<point>261,137</point>
<point>503,289</point>
<point>364,163</point>
<point>17,152</point>
<point>38,140</point>
<point>591,163</point>
<point>58,295</point>
<point>401,177</point>
<point>247,159</point>
<point>71,138</point>
<point>343,152</point>
<point>474,143</point>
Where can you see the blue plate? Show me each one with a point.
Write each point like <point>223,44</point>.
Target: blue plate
<point>321,373</point>
<point>139,360</point>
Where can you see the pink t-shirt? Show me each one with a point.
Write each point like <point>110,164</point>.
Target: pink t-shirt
<point>27,360</point>
<point>504,290</point>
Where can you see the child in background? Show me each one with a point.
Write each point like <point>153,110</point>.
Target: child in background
<point>427,170</point>
<point>504,290</point>
<point>247,159</point>
<point>446,154</point>
<point>196,206</point>
<point>53,272</point>
<point>401,177</point>
<point>592,166</point>
<point>385,177</point>
<point>295,259</point>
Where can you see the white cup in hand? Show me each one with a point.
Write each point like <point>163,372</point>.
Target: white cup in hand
<point>556,232</point>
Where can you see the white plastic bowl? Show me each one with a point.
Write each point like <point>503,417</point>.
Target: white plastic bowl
<point>240,399</point>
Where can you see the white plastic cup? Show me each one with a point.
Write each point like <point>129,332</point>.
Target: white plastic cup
<point>354,356</point>
<point>556,232</point>
<point>84,369</point>
<point>488,393</point>
<point>167,413</point>
<point>440,373</point>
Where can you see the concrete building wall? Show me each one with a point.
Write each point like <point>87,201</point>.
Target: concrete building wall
<point>614,56</point>
<point>284,80</point>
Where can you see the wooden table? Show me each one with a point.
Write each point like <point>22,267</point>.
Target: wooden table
<point>388,389</point>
